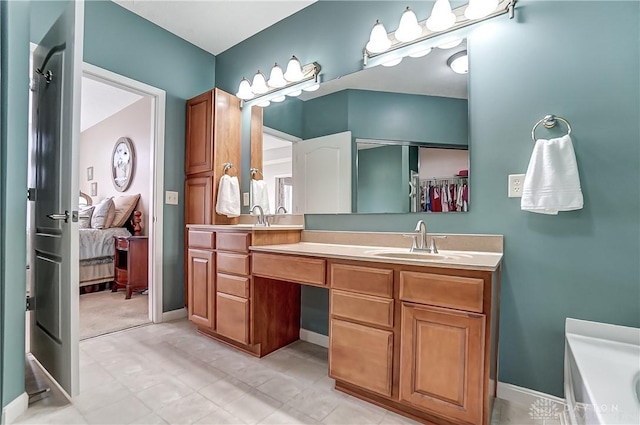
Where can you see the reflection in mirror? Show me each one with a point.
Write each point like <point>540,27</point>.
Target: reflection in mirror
<point>384,139</point>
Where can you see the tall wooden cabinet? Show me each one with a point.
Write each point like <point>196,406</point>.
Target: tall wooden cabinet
<point>212,139</point>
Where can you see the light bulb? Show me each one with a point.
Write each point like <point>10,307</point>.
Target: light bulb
<point>392,62</point>
<point>244,90</point>
<point>259,85</point>
<point>477,9</point>
<point>421,53</point>
<point>378,40</point>
<point>459,62</point>
<point>263,104</point>
<point>278,99</point>
<point>442,17</point>
<point>312,88</point>
<point>450,43</point>
<point>294,70</point>
<point>408,30</point>
<point>295,93</point>
<point>276,78</point>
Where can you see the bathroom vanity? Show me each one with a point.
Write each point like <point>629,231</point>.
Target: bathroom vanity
<point>414,333</point>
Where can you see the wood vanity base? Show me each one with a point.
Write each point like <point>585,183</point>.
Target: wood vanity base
<point>391,405</point>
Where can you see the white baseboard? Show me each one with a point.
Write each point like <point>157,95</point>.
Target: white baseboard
<point>314,338</point>
<point>15,408</point>
<point>178,314</point>
<point>525,396</point>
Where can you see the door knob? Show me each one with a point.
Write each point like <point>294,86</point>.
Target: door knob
<point>64,216</point>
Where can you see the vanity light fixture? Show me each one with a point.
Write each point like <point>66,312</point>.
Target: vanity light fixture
<point>409,29</point>
<point>442,18</point>
<point>259,85</point>
<point>290,83</point>
<point>294,71</point>
<point>459,62</point>
<point>276,78</point>
<point>386,48</point>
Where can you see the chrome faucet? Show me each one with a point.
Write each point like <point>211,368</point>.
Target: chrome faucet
<point>284,210</point>
<point>421,230</point>
<point>262,220</point>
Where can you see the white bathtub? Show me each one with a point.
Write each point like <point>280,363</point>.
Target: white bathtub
<point>601,373</point>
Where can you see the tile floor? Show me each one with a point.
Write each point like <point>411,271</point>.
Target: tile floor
<point>167,373</point>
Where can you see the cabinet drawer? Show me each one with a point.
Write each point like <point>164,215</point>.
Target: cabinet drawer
<point>363,308</point>
<point>361,356</point>
<point>233,285</point>
<point>122,244</point>
<point>202,239</point>
<point>121,275</point>
<point>227,241</point>
<point>462,293</point>
<point>288,268</point>
<point>232,317</point>
<point>233,263</point>
<point>366,280</point>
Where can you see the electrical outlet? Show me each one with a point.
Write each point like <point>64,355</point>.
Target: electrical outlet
<point>171,198</point>
<point>516,181</point>
<point>245,199</point>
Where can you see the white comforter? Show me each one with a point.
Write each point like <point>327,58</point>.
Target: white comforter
<point>98,243</point>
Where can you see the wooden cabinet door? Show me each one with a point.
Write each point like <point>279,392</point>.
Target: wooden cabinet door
<point>202,288</point>
<point>361,356</point>
<point>199,138</point>
<point>442,361</point>
<point>198,200</point>
<point>233,317</point>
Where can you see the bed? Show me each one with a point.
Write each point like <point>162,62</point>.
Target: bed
<point>96,247</point>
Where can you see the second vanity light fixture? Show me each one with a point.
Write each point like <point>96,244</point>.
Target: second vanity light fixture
<point>292,82</point>
<point>412,38</point>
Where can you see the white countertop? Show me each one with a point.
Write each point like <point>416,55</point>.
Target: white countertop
<point>245,227</point>
<point>449,259</point>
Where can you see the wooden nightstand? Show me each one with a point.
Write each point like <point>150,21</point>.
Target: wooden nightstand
<point>131,262</point>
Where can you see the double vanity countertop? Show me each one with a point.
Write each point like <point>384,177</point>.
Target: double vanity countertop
<point>474,252</point>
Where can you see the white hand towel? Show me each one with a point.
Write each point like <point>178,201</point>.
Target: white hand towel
<point>228,202</point>
<point>552,182</point>
<point>260,195</point>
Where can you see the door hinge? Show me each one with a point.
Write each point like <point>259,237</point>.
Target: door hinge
<point>31,194</point>
<point>30,303</point>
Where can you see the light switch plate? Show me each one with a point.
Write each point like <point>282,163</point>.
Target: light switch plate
<point>245,199</point>
<point>516,182</point>
<point>171,198</point>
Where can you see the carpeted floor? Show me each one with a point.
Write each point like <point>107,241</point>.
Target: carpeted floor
<point>105,311</point>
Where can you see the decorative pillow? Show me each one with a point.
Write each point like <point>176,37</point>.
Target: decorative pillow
<point>103,214</point>
<point>124,207</point>
<point>84,217</point>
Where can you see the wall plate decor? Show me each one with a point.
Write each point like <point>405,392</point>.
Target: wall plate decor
<point>123,161</point>
<point>89,173</point>
<point>94,189</point>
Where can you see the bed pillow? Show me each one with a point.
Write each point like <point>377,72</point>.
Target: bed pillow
<point>124,207</point>
<point>84,217</point>
<point>103,214</point>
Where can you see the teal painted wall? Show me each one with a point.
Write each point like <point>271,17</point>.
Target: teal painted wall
<point>383,174</point>
<point>325,115</point>
<point>286,117</point>
<point>407,117</point>
<point>581,264</point>
<point>14,108</point>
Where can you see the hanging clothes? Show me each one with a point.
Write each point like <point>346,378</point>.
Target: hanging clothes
<point>444,195</point>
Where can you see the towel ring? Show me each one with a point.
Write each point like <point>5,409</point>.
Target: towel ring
<point>227,167</point>
<point>549,121</point>
<point>255,171</point>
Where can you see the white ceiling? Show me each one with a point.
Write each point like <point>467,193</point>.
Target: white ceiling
<point>270,141</point>
<point>429,75</point>
<point>214,25</point>
<point>100,101</point>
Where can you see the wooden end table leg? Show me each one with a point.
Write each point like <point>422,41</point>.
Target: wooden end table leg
<point>128,296</point>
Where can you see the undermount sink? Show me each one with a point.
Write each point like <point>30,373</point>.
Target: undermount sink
<point>424,256</point>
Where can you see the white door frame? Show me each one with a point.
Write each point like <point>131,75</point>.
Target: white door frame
<point>156,216</point>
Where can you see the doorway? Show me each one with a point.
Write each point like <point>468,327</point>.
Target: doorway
<point>95,185</point>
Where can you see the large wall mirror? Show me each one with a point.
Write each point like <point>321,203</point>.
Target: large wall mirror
<point>381,140</point>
